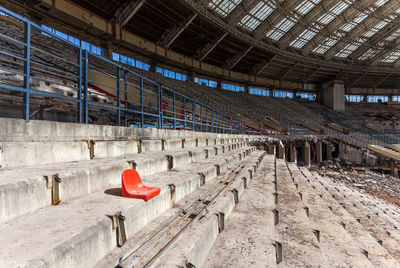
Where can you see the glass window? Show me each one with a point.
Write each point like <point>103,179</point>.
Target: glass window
<point>379,99</point>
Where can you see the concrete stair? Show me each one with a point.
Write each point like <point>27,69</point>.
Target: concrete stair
<point>290,217</point>
<point>77,231</point>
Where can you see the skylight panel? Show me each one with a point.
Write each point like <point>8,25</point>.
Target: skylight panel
<point>257,15</point>
<point>392,57</point>
<point>357,20</point>
<point>335,11</point>
<point>224,7</point>
<point>281,28</point>
<point>306,6</point>
<point>303,38</point>
<point>394,35</point>
<point>369,54</point>
<point>349,48</point>
<point>380,3</point>
<point>324,46</point>
<point>375,29</point>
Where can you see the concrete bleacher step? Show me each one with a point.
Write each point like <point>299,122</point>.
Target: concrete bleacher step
<point>79,233</point>
<point>348,252</point>
<point>192,247</point>
<point>248,238</point>
<point>379,254</point>
<point>26,189</point>
<point>300,247</point>
<point>18,154</point>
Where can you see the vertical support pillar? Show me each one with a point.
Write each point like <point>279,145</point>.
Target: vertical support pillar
<point>119,96</point>
<point>293,152</point>
<point>174,109</point>
<point>160,107</point>
<point>141,103</point>
<point>85,85</point>
<point>79,95</point>
<point>393,169</point>
<point>194,115</point>
<point>281,150</point>
<point>27,69</point>
<point>126,97</point>
<point>271,148</point>
<point>318,147</point>
<point>329,151</point>
<point>307,154</point>
<point>184,113</point>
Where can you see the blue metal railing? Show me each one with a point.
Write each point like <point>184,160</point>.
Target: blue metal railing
<point>52,68</point>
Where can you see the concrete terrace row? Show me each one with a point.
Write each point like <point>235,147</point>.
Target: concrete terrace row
<point>291,217</point>
<point>54,188</point>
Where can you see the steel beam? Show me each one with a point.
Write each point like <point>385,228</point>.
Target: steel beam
<point>385,52</point>
<point>288,71</point>
<point>330,28</point>
<point>257,69</point>
<point>124,14</point>
<point>382,80</point>
<point>358,79</point>
<point>232,61</point>
<point>312,15</point>
<point>281,11</point>
<point>240,11</point>
<point>312,74</point>
<point>367,24</point>
<point>171,34</point>
<point>202,53</point>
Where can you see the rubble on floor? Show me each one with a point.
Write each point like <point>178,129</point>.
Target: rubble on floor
<point>378,184</point>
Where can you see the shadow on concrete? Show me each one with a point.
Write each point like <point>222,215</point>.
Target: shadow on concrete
<point>114,191</point>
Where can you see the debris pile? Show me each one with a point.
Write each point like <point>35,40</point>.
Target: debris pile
<point>381,185</point>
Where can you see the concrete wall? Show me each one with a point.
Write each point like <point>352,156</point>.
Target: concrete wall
<point>332,95</point>
<point>40,130</point>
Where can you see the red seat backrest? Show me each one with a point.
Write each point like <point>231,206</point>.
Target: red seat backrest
<point>131,180</point>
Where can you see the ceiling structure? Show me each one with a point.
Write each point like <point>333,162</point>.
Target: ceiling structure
<point>309,41</point>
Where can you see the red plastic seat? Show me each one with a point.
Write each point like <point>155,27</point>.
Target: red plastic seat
<point>133,187</point>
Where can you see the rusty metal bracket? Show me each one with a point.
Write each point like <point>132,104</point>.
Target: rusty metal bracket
<point>118,224</point>
<point>91,144</point>
<point>55,190</point>
<point>132,164</point>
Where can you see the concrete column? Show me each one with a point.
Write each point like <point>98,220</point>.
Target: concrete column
<point>393,170</point>
<point>293,153</point>
<point>281,150</point>
<point>329,151</point>
<point>332,95</point>
<point>307,154</point>
<point>271,148</point>
<point>319,151</point>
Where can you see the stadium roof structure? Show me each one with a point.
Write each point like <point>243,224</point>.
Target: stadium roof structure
<point>309,41</point>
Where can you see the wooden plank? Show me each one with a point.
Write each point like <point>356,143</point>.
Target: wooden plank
<point>395,147</point>
<point>376,128</point>
<point>339,128</point>
<point>384,151</point>
<point>313,127</point>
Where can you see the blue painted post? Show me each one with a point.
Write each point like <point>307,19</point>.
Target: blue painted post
<point>160,106</point>
<point>201,118</point>
<point>27,68</point>
<point>85,85</point>
<point>141,103</point>
<point>79,93</point>
<point>173,109</point>
<point>212,120</point>
<point>119,95</point>
<point>126,97</point>
<point>194,115</point>
<point>206,119</point>
<point>184,113</point>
